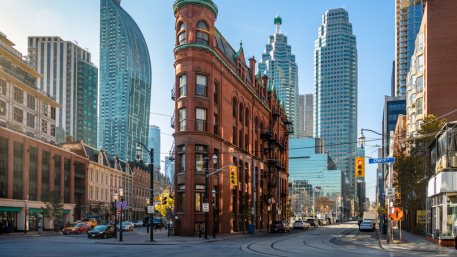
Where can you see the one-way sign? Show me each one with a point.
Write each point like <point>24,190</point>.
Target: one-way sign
<point>381,160</point>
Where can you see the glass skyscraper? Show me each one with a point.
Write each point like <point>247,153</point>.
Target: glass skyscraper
<point>125,82</point>
<point>335,90</point>
<point>68,75</point>
<point>408,18</point>
<point>154,143</point>
<point>311,167</point>
<point>278,63</point>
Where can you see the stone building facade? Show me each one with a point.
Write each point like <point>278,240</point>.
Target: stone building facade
<point>225,115</point>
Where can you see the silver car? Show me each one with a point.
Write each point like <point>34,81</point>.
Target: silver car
<point>366,225</point>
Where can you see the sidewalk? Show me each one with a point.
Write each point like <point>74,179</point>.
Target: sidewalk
<point>29,234</point>
<point>140,237</point>
<point>412,242</point>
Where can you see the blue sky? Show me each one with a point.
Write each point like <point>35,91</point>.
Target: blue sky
<point>249,21</point>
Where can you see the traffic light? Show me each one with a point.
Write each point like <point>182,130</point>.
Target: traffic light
<point>233,175</point>
<point>360,167</point>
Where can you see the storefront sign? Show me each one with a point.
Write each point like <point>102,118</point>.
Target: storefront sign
<point>421,217</point>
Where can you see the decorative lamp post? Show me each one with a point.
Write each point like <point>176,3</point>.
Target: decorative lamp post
<point>269,209</point>
<point>151,181</point>
<point>116,198</point>
<point>214,157</point>
<point>25,214</point>
<point>148,202</point>
<point>121,198</point>
<point>214,212</point>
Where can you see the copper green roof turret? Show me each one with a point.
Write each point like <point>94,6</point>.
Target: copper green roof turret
<point>237,54</point>
<point>206,3</point>
<point>271,87</point>
<point>278,22</point>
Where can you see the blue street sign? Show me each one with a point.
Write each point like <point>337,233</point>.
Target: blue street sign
<point>124,204</point>
<point>381,160</point>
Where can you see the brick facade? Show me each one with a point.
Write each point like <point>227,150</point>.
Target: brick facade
<point>222,108</point>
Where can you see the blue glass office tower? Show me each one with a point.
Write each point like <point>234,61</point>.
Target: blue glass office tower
<point>408,18</point>
<point>154,143</point>
<point>311,167</point>
<point>278,63</point>
<point>125,82</point>
<point>335,90</point>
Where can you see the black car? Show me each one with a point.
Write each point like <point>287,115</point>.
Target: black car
<point>101,231</point>
<point>279,226</point>
<point>312,222</point>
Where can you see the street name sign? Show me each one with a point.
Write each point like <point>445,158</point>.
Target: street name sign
<point>150,209</point>
<point>381,160</point>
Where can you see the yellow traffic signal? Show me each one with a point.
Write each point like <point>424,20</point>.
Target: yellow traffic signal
<point>233,175</point>
<point>360,167</point>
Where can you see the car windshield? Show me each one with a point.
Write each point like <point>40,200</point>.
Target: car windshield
<point>298,221</point>
<point>100,228</point>
<point>367,223</point>
<point>278,222</point>
<point>73,225</point>
<point>125,223</point>
<point>311,220</point>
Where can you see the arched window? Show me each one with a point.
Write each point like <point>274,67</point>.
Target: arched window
<point>246,118</point>
<point>202,33</point>
<point>241,113</point>
<point>181,33</point>
<point>234,107</point>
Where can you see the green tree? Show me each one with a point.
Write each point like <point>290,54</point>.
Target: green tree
<point>411,170</point>
<point>54,207</point>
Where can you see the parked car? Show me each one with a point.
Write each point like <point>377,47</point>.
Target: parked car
<point>101,231</point>
<point>312,222</point>
<point>126,226</point>
<point>92,222</point>
<point>75,228</point>
<point>279,226</point>
<point>366,225</point>
<point>138,223</point>
<point>322,222</point>
<point>299,224</point>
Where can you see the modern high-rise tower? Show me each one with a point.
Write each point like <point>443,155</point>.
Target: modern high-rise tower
<point>68,75</point>
<point>335,90</point>
<point>154,143</point>
<point>278,63</point>
<point>408,17</point>
<point>308,115</point>
<point>125,82</point>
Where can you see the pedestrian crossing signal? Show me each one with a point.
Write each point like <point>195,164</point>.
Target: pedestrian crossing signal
<point>360,167</point>
<point>233,175</point>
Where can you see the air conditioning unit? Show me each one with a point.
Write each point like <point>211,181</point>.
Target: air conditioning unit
<point>453,160</point>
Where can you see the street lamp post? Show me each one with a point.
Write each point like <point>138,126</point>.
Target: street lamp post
<point>116,198</point>
<point>151,180</point>
<point>269,201</point>
<point>25,214</point>
<point>148,201</point>
<point>214,157</point>
<point>382,193</point>
<point>121,200</point>
<point>214,212</point>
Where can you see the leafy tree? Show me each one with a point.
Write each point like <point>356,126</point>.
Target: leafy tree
<point>411,172</point>
<point>54,207</point>
<point>166,204</point>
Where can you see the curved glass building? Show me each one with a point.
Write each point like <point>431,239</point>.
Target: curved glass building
<point>125,82</point>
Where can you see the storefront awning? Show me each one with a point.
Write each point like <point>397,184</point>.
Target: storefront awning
<point>34,210</point>
<point>9,208</point>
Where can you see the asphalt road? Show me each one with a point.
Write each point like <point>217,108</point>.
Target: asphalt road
<point>334,240</point>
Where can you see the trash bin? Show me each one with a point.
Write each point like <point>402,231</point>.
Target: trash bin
<point>251,229</point>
